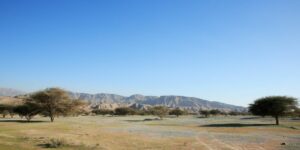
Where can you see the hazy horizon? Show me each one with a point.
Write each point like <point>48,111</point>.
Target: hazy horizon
<point>227,51</point>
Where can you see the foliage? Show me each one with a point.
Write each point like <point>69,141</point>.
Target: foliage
<point>103,112</point>
<point>204,112</point>
<point>124,111</point>
<point>27,110</point>
<point>52,101</point>
<point>74,108</point>
<point>6,110</point>
<point>55,143</point>
<point>214,112</point>
<point>274,106</point>
<point>207,113</point>
<point>159,111</point>
<point>177,112</point>
<point>296,113</point>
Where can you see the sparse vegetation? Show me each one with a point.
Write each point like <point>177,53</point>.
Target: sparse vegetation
<point>177,112</point>
<point>55,143</point>
<point>215,112</point>
<point>6,110</point>
<point>205,113</point>
<point>103,112</point>
<point>27,110</point>
<point>160,111</point>
<point>122,111</point>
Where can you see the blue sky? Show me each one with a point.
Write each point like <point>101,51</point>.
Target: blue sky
<point>230,51</point>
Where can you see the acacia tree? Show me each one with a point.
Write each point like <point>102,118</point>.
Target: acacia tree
<point>177,112</point>
<point>214,112</point>
<point>103,112</point>
<point>27,110</point>
<point>52,101</point>
<point>74,108</point>
<point>274,106</point>
<point>6,109</point>
<point>204,112</point>
<point>159,111</point>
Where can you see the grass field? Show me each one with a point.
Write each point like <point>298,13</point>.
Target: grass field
<point>132,132</point>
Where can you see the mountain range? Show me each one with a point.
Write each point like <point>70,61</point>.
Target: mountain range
<point>111,101</point>
<point>141,101</point>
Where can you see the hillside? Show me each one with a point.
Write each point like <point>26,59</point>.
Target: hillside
<point>10,92</point>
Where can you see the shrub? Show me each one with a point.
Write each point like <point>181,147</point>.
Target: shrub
<point>55,143</point>
<point>204,112</point>
<point>6,110</point>
<point>124,111</point>
<point>103,112</point>
<point>159,111</point>
<point>215,112</point>
<point>27,110</point>
<point>177,112</point>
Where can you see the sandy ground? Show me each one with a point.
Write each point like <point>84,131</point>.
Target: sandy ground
<point>132,132</point>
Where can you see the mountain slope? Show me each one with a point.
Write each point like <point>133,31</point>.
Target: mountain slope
<point>10,92</point>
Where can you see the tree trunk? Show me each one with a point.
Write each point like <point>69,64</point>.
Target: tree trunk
<point>52,118</point>
<point>28,118</point>
<point>277,120</point>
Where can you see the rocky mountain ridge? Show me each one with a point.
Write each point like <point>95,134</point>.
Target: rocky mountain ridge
<point>141,101</point>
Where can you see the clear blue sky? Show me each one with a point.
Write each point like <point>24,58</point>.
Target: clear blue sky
<point>231,51</point>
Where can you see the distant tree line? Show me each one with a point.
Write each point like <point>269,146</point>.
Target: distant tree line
<point>160,111</point>
<point>215,112</point>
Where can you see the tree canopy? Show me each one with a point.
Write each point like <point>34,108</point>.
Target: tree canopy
<point>52,102</point>
<point>159,111</point>
<point>177,112</point>
<point>274,106</point>
<point>124,111</point>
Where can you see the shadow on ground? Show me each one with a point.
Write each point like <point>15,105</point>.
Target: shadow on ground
<point>22,121</point>
<point>134,120</point>
<point>235,125</point>
<point>248,118</point>
<point>147,119</point>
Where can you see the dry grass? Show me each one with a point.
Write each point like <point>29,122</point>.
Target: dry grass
<point>97,132</point>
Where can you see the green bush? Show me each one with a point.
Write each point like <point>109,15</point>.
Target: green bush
<point>103,112</point>
<point>177,112</point>
<point>124,111</point>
